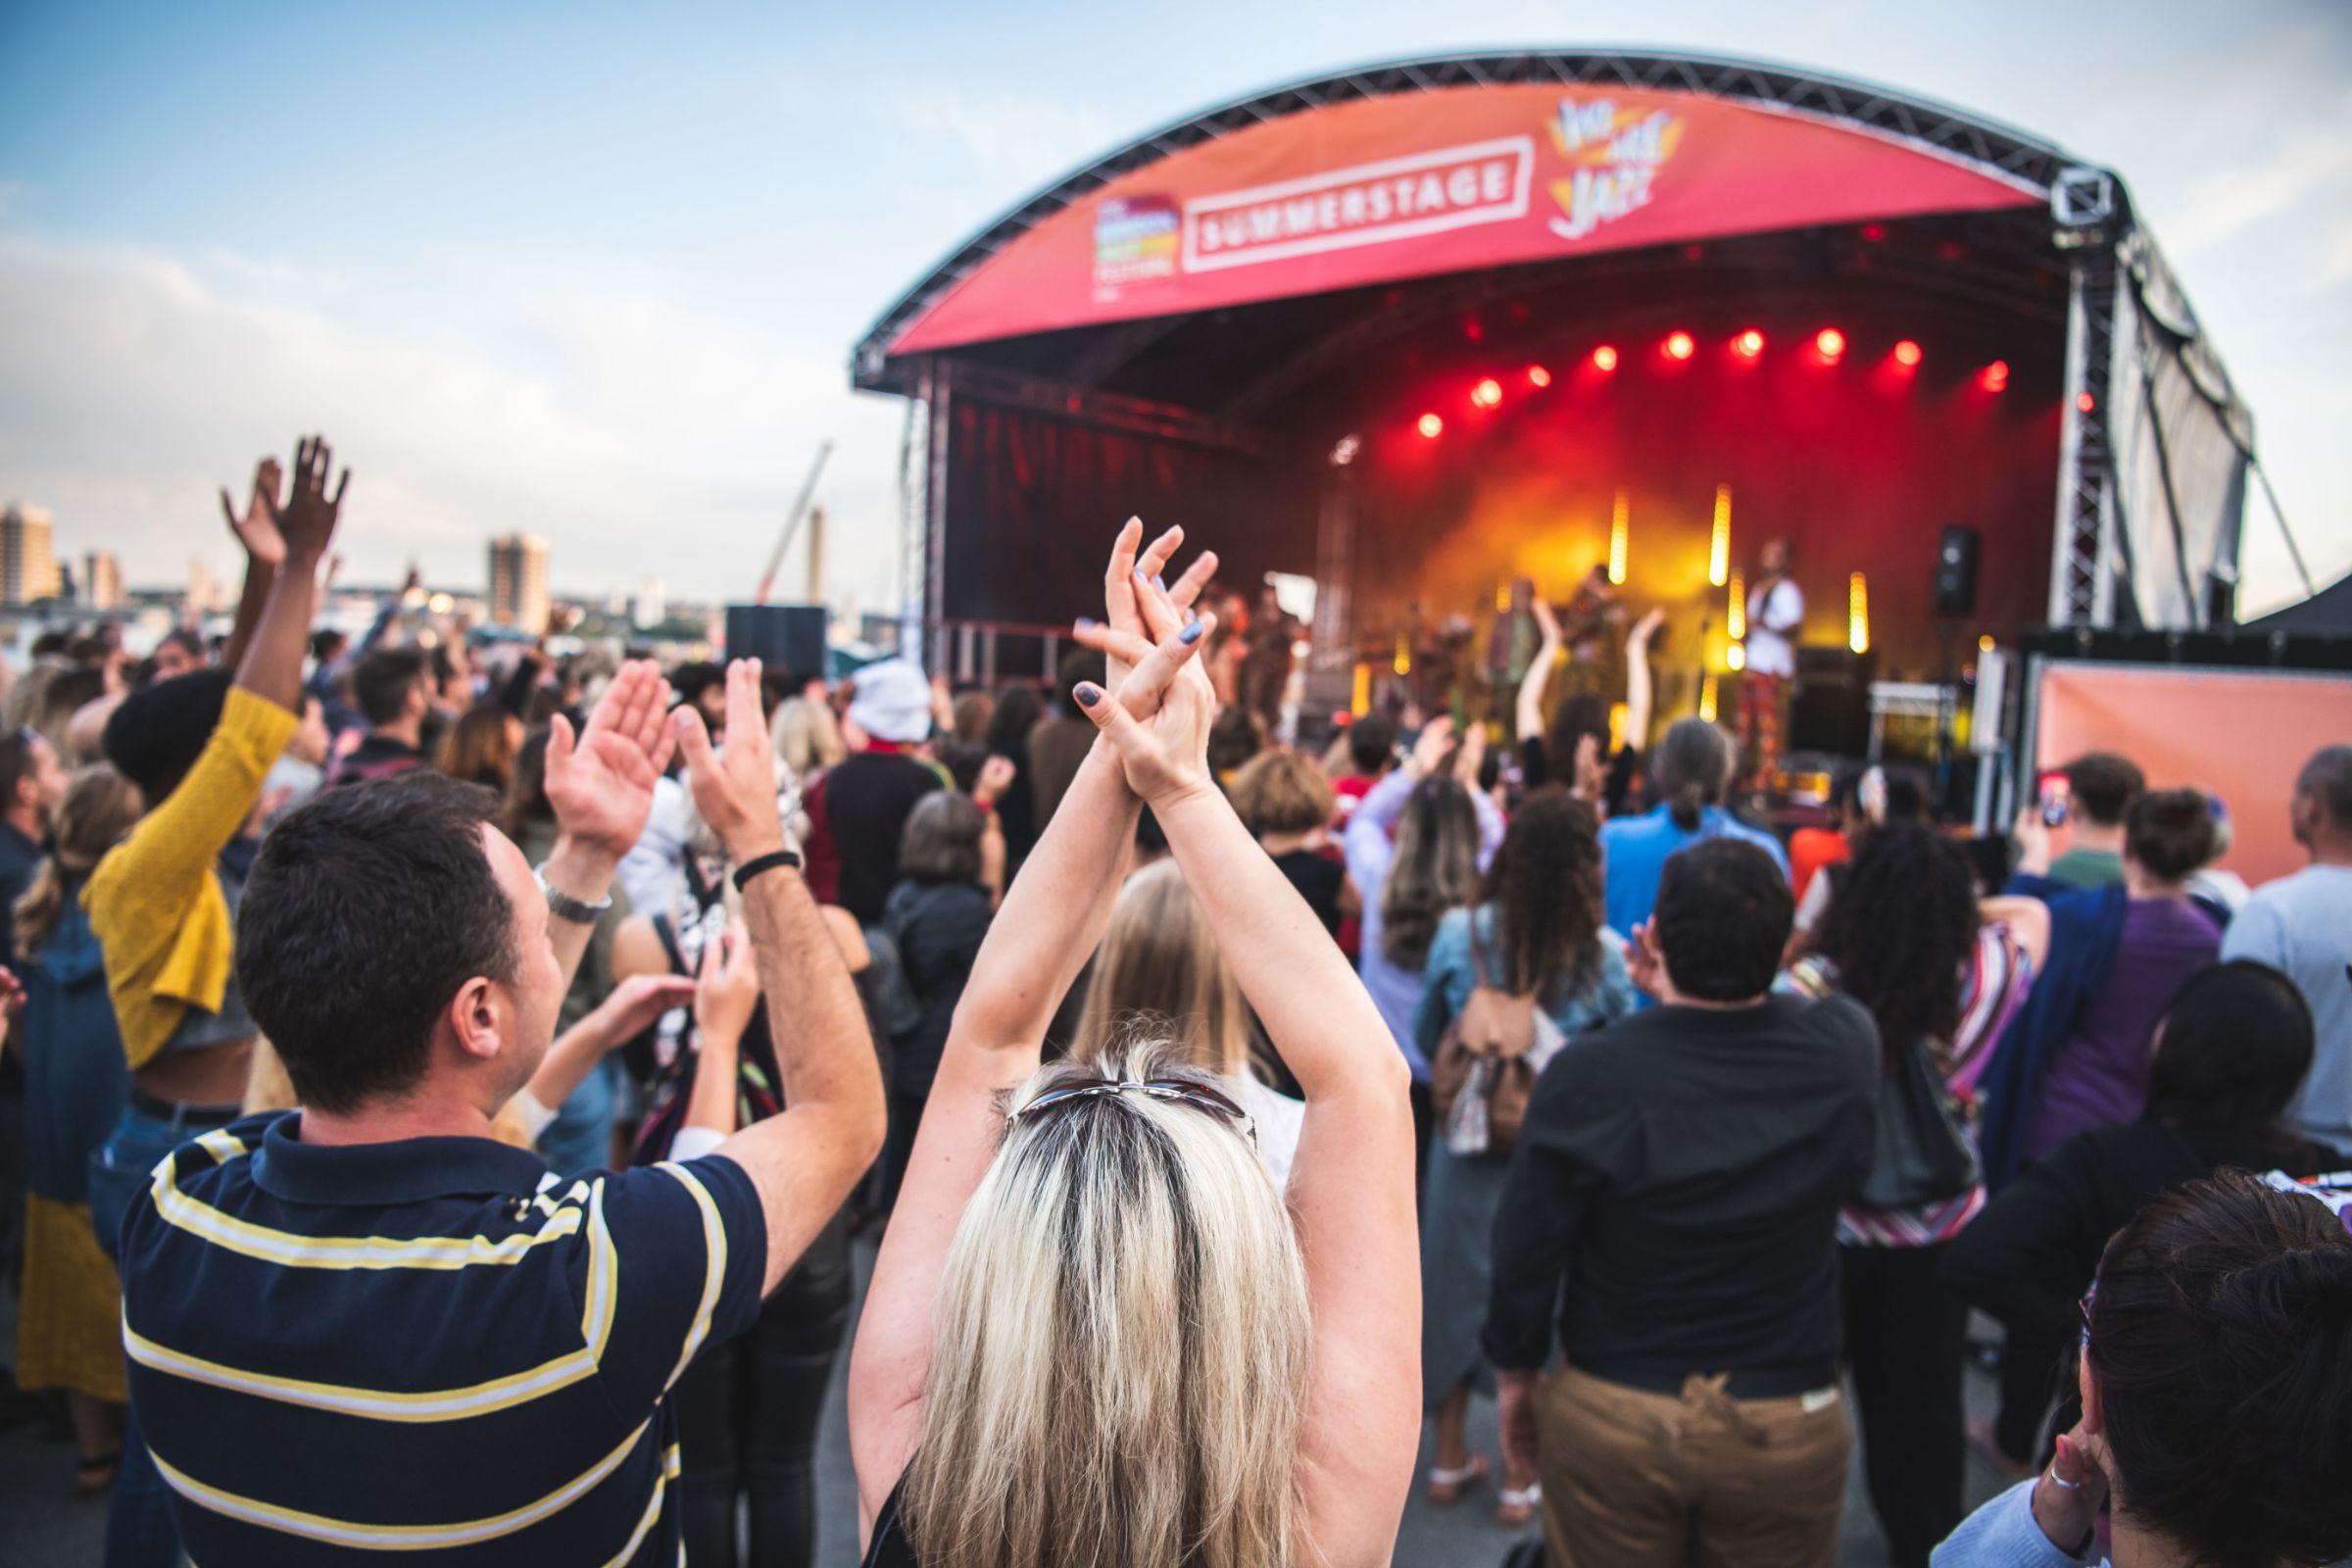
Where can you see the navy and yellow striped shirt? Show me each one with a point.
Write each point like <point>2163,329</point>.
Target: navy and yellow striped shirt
<point>428,1346</point>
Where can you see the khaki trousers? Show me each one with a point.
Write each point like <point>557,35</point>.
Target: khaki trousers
<point>1640,1480</point>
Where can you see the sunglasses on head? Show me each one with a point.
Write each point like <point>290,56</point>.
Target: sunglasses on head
<point>1196,1095</point>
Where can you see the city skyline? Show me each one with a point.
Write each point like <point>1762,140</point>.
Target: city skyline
<point>601,285</point>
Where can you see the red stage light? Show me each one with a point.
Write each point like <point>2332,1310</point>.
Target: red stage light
<point>1679,346</point>
<point>1605,359</point>
<point>1995,376</point>
<point>2086,402</point>
<point>1748,344</point>
<point>1536,376</point>
<point>1431,426</point>
<point>1486,393</point>
<point>1873,232</point>
<point>1829,341</point>
<point>1907,354</point>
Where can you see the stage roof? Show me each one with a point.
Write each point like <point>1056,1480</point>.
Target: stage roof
<point>1427,168</point>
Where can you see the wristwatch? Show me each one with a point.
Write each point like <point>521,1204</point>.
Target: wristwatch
<point>563,906</point>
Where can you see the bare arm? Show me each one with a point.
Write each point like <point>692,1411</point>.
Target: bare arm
<point>1352,1185</point>
<point>1637,680</point>
<point>805,1162</point>
<point>633,1006</point>
<point>264,551</point>
<point>725,995</point>
<point>1052,918</point>
<point>270,663</point>
<point>1530,719</point>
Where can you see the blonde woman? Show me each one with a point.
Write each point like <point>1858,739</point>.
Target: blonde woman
<point>1160,975</point>
<point>1096,1332</point>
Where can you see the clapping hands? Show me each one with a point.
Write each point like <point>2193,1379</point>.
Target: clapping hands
<point>602,783</point>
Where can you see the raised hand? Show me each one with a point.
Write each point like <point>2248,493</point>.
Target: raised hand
<point>602,783</point>
<point>257,528</point>
<point>1159,719</point>
<point>1430,748</point>
<point>1471,756</point>
<point>1644,629</point>
<point>734,785</point>
<point>726,987</point>
<point>995,777</point>
<point>636,1002</point>
<point>306,521</point>
<point>1133,591</point>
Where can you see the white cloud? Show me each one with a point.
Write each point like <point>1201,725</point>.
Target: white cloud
<point>2223,203</point>
<point>643,434</point>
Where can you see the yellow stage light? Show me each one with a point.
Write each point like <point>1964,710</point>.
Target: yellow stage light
<point>1706,699</point>
<point>1618,517</point>
<point>1735,617</point>
<point>1719,551</point>
<point>1857,615</point>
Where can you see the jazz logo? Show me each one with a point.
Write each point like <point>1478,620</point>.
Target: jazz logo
<point>1613,155</point>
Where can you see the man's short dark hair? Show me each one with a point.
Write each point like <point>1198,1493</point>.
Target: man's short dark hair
<point>2169,833</point>
<point>1371,744</point>
<point>2103,785</point>
<point>1721,920</point>
<point>2327,779</point>
<point>155,735</point>
<point>364,913</point>
<point>380,682</point>
<point>326,643</point>
<point>690,680</point>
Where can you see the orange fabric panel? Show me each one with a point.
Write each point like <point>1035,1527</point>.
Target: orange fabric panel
<point>2240,734</point>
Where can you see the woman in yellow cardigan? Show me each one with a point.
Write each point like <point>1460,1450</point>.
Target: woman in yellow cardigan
<point>161,903</point>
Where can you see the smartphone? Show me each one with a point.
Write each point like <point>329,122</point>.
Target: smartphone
<point>2057,804</point>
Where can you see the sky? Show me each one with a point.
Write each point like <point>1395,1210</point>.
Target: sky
<point>594,273</point>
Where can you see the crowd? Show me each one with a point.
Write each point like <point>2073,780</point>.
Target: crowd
<point>451,1079</point>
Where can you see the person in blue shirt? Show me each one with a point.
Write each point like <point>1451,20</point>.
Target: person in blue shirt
<point>1693,766</point>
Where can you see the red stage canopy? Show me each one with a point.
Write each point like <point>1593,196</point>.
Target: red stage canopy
<point>1419,184</point>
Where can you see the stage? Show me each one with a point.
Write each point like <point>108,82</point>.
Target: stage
<point>1419,331</point>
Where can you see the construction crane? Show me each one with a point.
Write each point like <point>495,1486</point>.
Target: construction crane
<point>792,522</point>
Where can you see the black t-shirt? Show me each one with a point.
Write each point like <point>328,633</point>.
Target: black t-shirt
<point>1683,1170</point>
<point>868,797</point>
<point>1318,878</point>
<point>1617,791</point>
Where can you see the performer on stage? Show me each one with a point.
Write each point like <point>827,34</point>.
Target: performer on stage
<point>1776,608</point>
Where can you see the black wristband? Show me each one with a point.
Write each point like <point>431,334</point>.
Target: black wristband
<point>765,862</point>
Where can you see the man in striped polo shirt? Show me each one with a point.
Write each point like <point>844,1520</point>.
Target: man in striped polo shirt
<point>367,1326</point>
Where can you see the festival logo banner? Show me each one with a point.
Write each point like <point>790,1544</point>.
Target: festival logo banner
<point>1135,242</point>
<point>1370,204</point>
<point>1613,155</point>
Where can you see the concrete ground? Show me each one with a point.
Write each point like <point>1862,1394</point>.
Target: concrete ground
<point>43,1526</point>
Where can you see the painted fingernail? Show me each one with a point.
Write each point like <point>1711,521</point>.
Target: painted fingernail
<point>1191,634</point>
<point>1161,583</point>
<point>1088,694</point>
<point>1140,578</point>
<point>1086,622</point>
<point>1191,614</point>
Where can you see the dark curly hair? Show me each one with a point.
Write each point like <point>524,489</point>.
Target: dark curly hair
<point>1546,888</point>
<point>1901,923</point>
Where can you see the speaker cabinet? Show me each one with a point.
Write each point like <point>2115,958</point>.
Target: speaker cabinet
<point>1956,570</point>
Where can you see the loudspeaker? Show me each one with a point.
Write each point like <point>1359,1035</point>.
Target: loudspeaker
<point>789,639</point>
<point>1956,570</point>
<point>1830,710</point>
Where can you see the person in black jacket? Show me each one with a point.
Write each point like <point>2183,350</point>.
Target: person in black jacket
<point>937,916</point>
<point>2229,1054</point>
<point>1681,1171</point>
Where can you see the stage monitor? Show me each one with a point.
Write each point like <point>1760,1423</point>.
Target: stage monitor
<point>1956,570</point>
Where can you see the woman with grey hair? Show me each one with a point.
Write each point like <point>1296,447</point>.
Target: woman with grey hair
<point>1096,1334</point>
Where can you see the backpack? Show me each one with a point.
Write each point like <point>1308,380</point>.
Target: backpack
<point>1486,1065</point>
